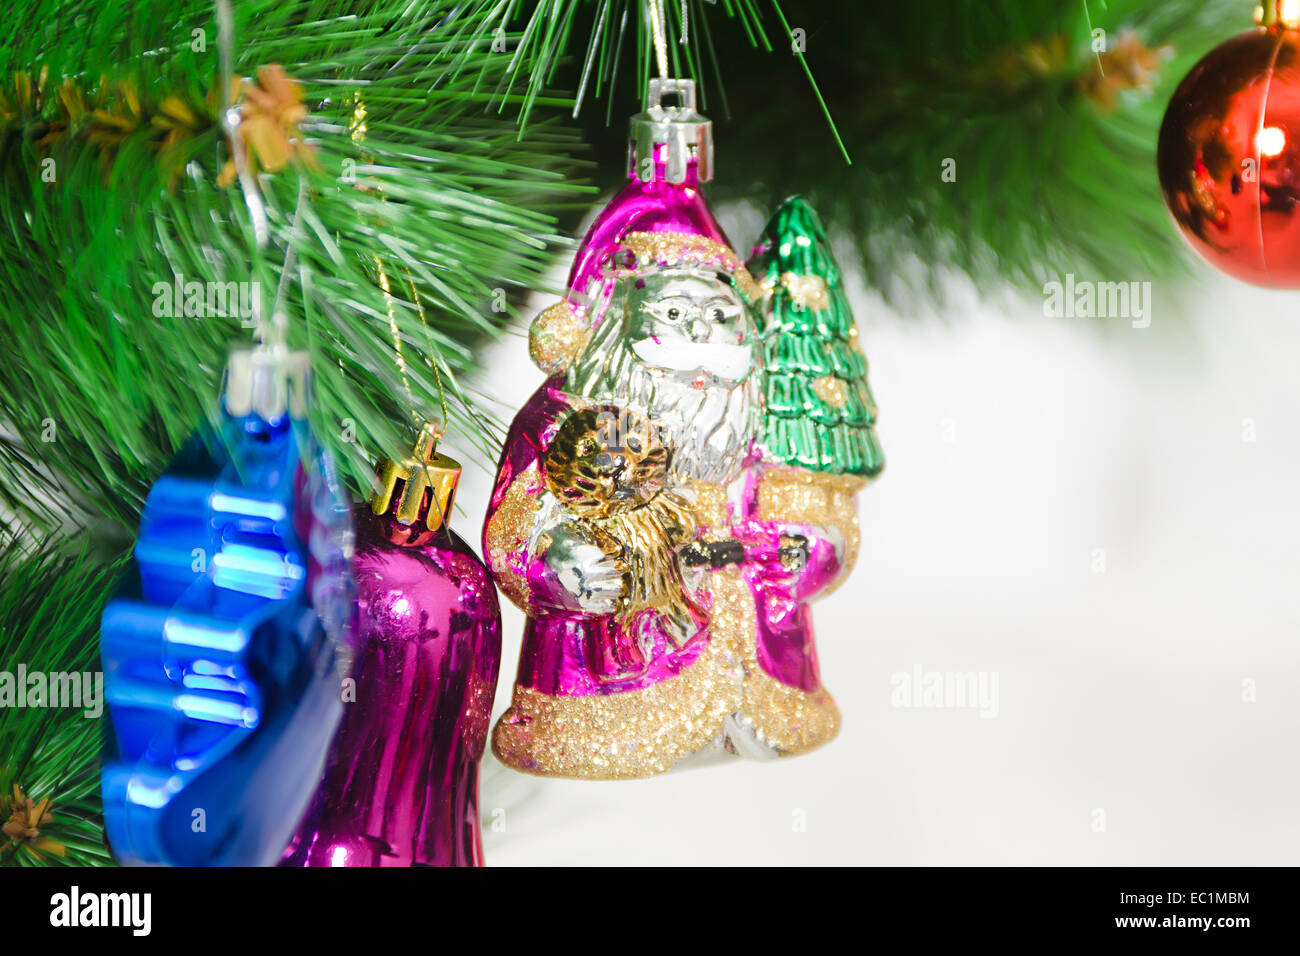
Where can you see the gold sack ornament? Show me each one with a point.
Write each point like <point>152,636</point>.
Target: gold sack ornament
<point>610,468</point>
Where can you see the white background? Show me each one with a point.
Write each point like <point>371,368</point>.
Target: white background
<point>1024,453</point>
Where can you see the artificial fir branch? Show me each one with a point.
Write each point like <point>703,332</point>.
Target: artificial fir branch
<point>620,36</point>
<point>909,97</point>
<point>112,190</point>
<point>112,187</point>
<point>1054,161</point>
<point>51,600</point>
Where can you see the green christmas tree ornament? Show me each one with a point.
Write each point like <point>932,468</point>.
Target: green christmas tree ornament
<point>820,413</point>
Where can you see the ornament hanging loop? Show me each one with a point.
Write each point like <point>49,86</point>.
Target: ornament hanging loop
<point>268,383</point>
<point>269,380</point>
<point>659,34</point>
<point>231,117</point>
<point>1283,14</point>
<point>675,137</point>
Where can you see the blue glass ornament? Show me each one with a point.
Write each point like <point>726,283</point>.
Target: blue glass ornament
<point>221,650</point>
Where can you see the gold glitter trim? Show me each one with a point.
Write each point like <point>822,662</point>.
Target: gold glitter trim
<point>831,390</point>
<point>800,496</point>
<point>671,248</point>
<point>645,732</point>
<point>711,508</point>
<point>556,336</point>
<point>807,292</point>
<point>509,529</point>
<point>786,719</point>
<point>619,736</point>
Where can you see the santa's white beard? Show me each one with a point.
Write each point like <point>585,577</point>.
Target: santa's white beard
<point>709,428</point>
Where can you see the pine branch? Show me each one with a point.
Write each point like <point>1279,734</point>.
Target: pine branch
<point>1054,161</point>
<point>620,43</point>
<point>51,602</point>
<point>124,101</point>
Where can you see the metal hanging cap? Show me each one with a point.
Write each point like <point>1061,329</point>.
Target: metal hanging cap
<point>428,488</point>
<point>683,135</point>
<point>267,381</point>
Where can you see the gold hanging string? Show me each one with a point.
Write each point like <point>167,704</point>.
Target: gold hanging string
<point>425,474</point>
<point>655,9</point>
<point>358,131</point>
<point>437,376</point>
<point>397,339</point>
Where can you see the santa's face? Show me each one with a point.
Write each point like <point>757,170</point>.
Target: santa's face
<point>691,322</point>
<point>679,346</point>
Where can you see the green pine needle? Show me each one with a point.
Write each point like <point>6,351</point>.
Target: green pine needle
<point>548,34</point>
<point>51,602</point>
<point>454,204</point>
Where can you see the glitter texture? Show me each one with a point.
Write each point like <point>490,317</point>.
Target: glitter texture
<point>831,390</point>
<point>617,736</point>
<point>786,719</point>
<point>807,291</point>
<point>671,248</point>
<point>816,498</point>
<point>645,732</point>
<point>556,336</point>
<point>507,531</point>
<point>711,507</point>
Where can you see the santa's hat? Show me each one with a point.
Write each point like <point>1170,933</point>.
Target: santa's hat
<point>660,219</point>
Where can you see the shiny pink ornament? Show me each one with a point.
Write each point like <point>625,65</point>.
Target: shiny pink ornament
<point>662,321</point>
<point>401,787</point>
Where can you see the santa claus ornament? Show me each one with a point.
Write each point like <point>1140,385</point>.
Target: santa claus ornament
<point>1229,152</point>
<point>683,483</point>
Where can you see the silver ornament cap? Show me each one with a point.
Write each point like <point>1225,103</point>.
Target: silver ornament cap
<point>267,381</point>
<point>678,131</point>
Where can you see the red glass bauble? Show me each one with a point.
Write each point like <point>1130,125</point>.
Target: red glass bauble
<point>1229,157</point>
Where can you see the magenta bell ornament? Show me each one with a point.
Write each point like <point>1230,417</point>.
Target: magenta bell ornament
<point>401,785</point>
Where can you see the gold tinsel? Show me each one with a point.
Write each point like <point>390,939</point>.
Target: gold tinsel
<point>108,112</point>
<point>25,821</point>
